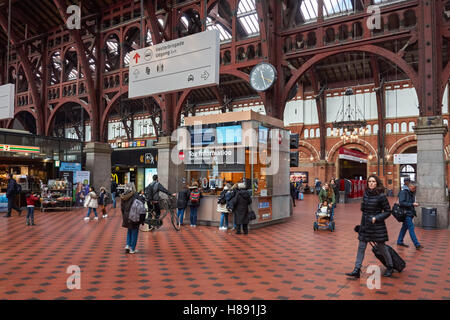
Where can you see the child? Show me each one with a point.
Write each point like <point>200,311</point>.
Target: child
<point>102,201</point>
<point>91,203</point>
<point>222,208</point>
<point>31,200</point>
<point>324,210</point>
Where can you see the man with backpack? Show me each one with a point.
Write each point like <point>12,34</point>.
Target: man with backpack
<point>152,194</point>
<point>407,201</point>
<point>12,190</point>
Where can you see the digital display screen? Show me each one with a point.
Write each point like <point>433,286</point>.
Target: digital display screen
<point>229,134</point>
<point>263,134</point>
<point>202,137</point>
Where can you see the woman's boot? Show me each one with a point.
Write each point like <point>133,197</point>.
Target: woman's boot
<point>355,273</point>
<point>388,272</point>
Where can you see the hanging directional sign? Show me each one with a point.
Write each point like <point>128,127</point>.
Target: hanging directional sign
<point>187,62</point>
<point>7,101</point>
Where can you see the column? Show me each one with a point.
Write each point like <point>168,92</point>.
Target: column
<point>98,162</point>
<point>431,168</point>
<point>170,174</point>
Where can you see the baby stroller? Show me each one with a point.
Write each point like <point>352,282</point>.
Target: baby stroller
<point>324,220</point>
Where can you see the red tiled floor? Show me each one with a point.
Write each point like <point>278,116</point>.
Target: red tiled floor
<point>284,261</point>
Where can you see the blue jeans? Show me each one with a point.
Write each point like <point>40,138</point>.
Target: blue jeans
<point>89,212</point>
<point>223,217</point>
<point>113,195</point>
<point>30,214</point>
<point>193,216</point>
<point>132,236</point>
<point>408,225</point>
<point>180,214</point>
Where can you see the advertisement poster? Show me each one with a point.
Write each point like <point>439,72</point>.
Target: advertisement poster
<point>265,209</point>
<point>81,176</point>
<point>149,172</point>
<point>303,175</point>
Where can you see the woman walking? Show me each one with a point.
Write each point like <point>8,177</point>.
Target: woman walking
<point>127,199</point>
<point>375,210</point>
<point>241,201</point>
<point>335,187</point>
<point>182,201</point>
<point>91,202</point>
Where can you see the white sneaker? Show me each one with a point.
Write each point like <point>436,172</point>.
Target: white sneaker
<point>96,218</point>
<point>86,218</point>
<point>105,216</point>
<point>133,252</point>
<point>192,225</point>
<point>127,247</point>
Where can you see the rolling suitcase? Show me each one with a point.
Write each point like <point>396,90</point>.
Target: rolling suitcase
<point>301,195</point>
<point>397,261</point>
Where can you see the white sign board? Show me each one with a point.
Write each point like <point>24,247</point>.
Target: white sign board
<point>187,62</point>
<point>405,158</point>
<point>7,101</point>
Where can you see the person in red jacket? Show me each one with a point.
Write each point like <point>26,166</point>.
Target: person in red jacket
<point>31,200</point>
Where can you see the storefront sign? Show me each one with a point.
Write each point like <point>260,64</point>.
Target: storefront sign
<point>18,149</point>
<point>216,156</point>
<point>352,155</point>
<point>405,158</point>
<point>70,166</point>
<point>7,101</point>
<point>135,158</point>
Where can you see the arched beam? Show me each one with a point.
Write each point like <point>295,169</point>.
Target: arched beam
<point>398,144</point>
<point>402,64</point>
<point>28,73</point>
<point>94,106</point>
<point>444,79</point>
<point>362,143</point>
<point>55,110</point>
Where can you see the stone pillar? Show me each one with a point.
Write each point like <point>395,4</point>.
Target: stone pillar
<point>431,168</point>
<point>98,162</point>
<point>170,174</point>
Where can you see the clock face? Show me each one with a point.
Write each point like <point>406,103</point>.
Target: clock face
<point>263,76</point>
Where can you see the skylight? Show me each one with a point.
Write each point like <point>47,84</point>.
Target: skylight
<point>224,34</point>
<point>309,8</point>
<point>248,17</point>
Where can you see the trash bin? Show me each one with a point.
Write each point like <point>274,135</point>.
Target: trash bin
<point>429,218</point>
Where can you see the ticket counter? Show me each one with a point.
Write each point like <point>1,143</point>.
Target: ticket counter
<point>238,147</point>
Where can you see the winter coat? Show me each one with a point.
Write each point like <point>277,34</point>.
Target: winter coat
<point>240,206</point>
<point>222,208</point>
<point>102,198</point>
<point>113,187</point>
<point>193,204</point>
<point>182,199</point>
<point>125,206</point>
<point>293,190</point>
<point>406,199</point>
<point>31,200</point>
<point>11,189</point>
<point>323,195</point>
<point>229,196</point>
<point>374,205</point>
<point>92,200</point>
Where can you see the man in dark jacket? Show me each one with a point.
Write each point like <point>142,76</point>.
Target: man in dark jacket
<point>11,193</point>
<point>152,194</point>
<point>406,199</point>
<point>293,192</point>
<point>127,199</point>
<point>182,201</point>
<point>113,191</point>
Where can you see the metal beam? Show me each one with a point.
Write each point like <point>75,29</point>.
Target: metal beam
<point>321,112</point>
<point>379,91</point>
<point>62,8</point>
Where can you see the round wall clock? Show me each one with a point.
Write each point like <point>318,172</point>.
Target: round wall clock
<point>263,76</point>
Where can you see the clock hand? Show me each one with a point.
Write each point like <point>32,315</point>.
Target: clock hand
<point>262,77</point>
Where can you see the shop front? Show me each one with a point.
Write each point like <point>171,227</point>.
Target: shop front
<point>233,148</point>
<point>134,165</point>
<point>34,160</point>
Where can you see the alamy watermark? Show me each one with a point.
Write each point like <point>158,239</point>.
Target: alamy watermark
<point>374,280</point>
<point>74,20</point>
<point>74,280</point>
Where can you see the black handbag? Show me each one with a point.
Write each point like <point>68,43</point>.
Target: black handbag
<point>251,214</point>
<point>398,213</point>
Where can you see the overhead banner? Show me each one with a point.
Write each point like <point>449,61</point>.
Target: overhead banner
<point>352,155</point>
<point>187,62</point>
<point>7,101</point>
<point>405,158</point>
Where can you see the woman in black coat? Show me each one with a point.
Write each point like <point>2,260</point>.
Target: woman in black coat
<point>182,201</point>
<point>375,209</point>
<point>240,204</point>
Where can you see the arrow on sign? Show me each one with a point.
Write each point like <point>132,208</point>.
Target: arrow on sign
<point>136,56</point>
<point>205,75</point>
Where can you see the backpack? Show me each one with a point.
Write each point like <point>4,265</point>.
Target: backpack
<point>137,208</point>
<point>195,196</point>
<point>398,213</point>
<point>150,190</point>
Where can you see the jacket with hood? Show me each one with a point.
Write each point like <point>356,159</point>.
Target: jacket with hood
<point>125,206</point>
<point>92,200</point>
<point>222,208</point>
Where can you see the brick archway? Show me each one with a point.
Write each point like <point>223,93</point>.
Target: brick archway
<point>403,144</point>
<point>359,144</point>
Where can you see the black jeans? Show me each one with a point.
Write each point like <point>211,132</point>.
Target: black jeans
<point>12,205</point>
<point>154,206</point>
<point>244,227</point>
